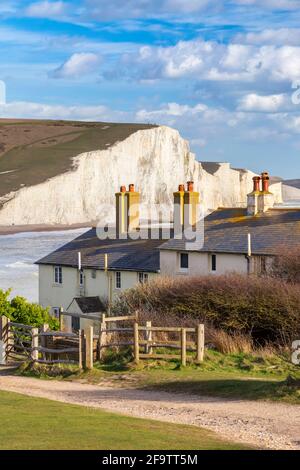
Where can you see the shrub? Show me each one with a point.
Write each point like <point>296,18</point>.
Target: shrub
<point>287,265</point>
<point>22,311</point>
<point>266,308</point>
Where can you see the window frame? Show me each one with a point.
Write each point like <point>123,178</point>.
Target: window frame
<point>213,262</point>
<point>143,277</point>
<point>118,280</point>
<point>81,278</point>
<point>181,267</point>
<point>56,312</point>
<point>58,275</point>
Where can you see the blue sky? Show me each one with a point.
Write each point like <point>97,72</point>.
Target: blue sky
<point>224,73</point>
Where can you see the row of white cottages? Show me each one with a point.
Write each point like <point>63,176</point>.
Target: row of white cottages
<point>88,272</point>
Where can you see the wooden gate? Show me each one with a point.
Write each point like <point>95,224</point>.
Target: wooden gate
<point>16,341</point>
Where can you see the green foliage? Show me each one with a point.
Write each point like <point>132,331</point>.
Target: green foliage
<point>5,306</point>
<point>21,311</point>
<point>266,308</point>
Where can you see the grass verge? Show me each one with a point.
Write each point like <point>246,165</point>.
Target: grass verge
<point>241,376</point>
<point>36,423</point>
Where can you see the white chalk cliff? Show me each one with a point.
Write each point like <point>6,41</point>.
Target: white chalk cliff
<point>156,160</point>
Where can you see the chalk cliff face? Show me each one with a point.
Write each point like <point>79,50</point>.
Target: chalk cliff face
<point>156,160</point>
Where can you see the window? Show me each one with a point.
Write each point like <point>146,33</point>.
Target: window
<point>58,279</point>
<point>94,274</point>
<point>143,278</point>
<point>81,278</point>
<point>184,261</point>
<point>213,262</point>
<point>56,311</point>
<point>118,280</point>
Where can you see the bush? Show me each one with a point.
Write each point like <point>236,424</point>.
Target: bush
<point>22,311</point>
<point>287,265</point>
<point>267,309</point>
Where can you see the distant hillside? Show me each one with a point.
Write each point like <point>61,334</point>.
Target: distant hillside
<point>32,151</point>
<point>294,183</point>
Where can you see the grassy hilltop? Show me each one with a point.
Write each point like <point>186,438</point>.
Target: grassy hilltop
<point>32,151</point>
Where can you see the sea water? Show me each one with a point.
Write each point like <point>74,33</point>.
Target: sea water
<point>19,252</point>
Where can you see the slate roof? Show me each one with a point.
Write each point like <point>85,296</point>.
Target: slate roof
<point>226,230</point>
<point>90,304</point>
<point>129,255</point>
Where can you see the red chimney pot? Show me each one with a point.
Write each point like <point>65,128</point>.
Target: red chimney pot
<point>190,186</point>
<point>265,181</point>
<point>123,189</point>
<point>181,188</point>
<point>131,188</point>
<point>256,181</point>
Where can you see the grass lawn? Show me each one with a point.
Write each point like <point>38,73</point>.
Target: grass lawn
<point>36,423</point>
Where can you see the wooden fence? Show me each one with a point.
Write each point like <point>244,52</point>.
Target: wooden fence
<point>25,343</point>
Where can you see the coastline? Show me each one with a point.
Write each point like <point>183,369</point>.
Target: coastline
<point>14,229</point>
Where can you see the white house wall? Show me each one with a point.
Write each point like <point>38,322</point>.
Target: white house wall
<point>200,264</point>
<point>53,295</point>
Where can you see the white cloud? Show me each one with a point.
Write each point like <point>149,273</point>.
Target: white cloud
<point>46,9</point>
<point>271,4</point>
<point>171,109</point>
<point>280,36</point>
<point>258,103</point>
<point>21,109</point>
<point>121,9</point>
<point>79,64</point>
<point>207,60</point>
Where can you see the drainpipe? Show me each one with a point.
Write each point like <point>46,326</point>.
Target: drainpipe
<point>249,254</point>
<point>109,283</point>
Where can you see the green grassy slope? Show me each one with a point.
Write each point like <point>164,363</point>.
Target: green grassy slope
<point>33,151</point>
<point>35,423</point>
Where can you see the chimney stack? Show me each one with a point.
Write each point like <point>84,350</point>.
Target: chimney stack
<point>260,200</point>
<point>253,197</point>
<point>127,211</point>
<point>186,204</point>
<point>266,198</point>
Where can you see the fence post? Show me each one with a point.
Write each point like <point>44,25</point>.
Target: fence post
<point>80,348</point>
<point>89,347</point>
<point>44,329</point>
<point>183,346</point>
<point>61,319</point>
<point>34,344</point>
<point>200,343</point>
<point>4,327</point>
<point>148,337</point>
<point>136,343</point>
<point>102,338</point>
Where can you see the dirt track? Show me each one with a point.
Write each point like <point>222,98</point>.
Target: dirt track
<point>266,425</point>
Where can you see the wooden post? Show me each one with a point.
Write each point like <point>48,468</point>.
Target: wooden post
<point>44,329</point>
<point>183,346</point>
<point>34,344</point>
<point>148,337</point>
<point>80,348</point>
<point>4,327</point>
<point>102,337</point>
<point>136,343</point>
<point>61,319</point>
<point>89,356</point>
<point>200,343</point>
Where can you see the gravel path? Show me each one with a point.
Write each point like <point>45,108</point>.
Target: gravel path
<point>264,424</point>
